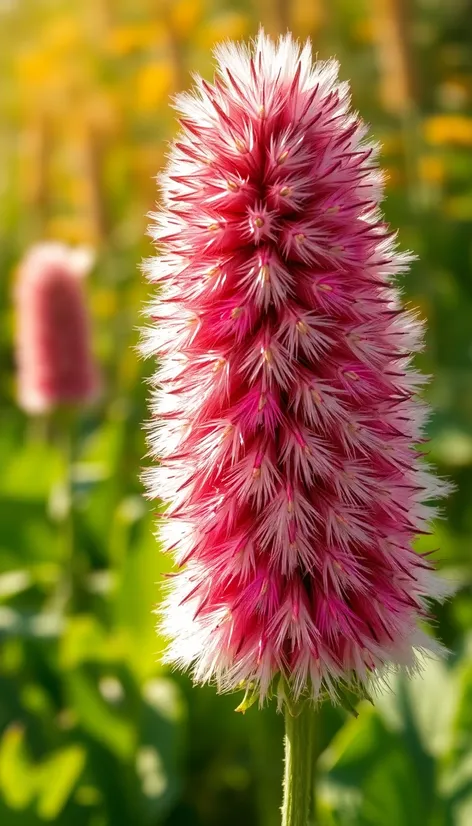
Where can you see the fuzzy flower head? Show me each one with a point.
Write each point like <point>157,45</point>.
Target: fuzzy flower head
<point>285,411</point>
<point>55,364</point>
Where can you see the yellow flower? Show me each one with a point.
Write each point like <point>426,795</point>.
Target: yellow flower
<point>153,84</point>
<point>34,68</point>
<point>452,129</point>
<point>184,16</point>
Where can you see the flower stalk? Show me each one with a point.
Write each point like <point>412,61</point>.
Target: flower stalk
<point>66,425</point>
<point>298,785</point>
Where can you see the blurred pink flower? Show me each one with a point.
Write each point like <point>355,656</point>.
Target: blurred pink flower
<point>286,412</point>
<point>55,364</point>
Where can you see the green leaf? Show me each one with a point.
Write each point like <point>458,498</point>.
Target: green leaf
<point>462,812</point>
<point>31,471</point>
<point>97,717</point>
<point>17,774</point>
<point>356,747</point>
<point>85,640</point>
<point>57,779</point>
<point>462,722</point>
<point>392,795</point>
<point>141,570</point>
<point>427,702</point>
<point>25,534</point>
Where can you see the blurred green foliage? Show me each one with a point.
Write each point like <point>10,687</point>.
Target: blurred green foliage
<point>93,730</point>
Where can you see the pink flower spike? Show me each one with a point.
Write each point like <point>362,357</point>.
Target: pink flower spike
<point>55,364</point>
<point>287,417</point>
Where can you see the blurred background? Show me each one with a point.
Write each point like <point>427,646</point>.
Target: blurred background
<point>93,730</point>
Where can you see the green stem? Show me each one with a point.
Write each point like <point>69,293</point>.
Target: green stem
<point>299,765</point>
<point>64,431</point>
<point>68,520</point>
